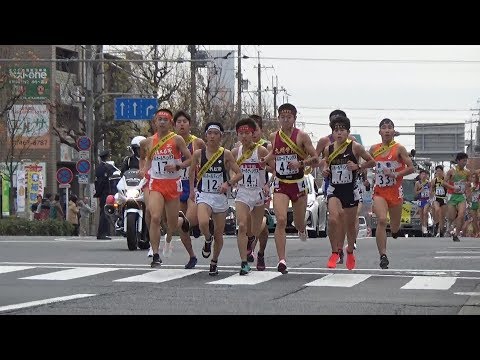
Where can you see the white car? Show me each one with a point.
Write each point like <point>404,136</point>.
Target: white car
<point>316,214</point>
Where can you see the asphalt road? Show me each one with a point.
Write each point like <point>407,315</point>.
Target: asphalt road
<point>78,276</point>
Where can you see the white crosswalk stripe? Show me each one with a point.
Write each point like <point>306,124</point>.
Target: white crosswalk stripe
<point>159,276</point>
<point>70,274</point>
<point>339,280</point>
<point>253,278</point>
<point>430,283</point>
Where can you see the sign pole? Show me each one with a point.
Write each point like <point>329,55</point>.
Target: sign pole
<point>66,203</point>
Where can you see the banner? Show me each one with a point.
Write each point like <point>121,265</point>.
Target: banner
<point>29,125</point>
<point>31,81</point>
<point>34,183</point>
<point>21,191</point>
<point>5,196</point>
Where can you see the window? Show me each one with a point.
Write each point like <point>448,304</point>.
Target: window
<point>69,67</point>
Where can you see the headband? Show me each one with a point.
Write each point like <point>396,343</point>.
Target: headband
<point>216,127</point>
<point>386,121</point>
<point>245,128</point>
<point>165,115</point>
<point>287,111</point>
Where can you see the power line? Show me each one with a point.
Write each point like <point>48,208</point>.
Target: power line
<point>379,109</point>
<point>405,61</point>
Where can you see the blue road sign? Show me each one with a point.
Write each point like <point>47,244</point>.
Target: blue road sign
<point>64,175</point>
<point>83,166</point>
<point>135,108</point>
<point>84,143</point>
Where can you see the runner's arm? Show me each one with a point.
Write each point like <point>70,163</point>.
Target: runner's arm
<point>403,155</point>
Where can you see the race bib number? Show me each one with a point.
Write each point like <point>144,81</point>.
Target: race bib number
<point>459,186</point>
<point>281,163</point>
<point>381,168</point>
<point>341,174</point>
<point>440,191</point>
<point>184,173</point>
<point>211,182</point>
<point>158,164</point>
<point>475,196</point>
<point>302,185</point>
<point>425,193</point>
<point>250,177</point>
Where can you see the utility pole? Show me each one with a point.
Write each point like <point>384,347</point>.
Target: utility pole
<point>193,82</point>
<point>259,86</point>
<point>89,106</point>
<point>239,86</point>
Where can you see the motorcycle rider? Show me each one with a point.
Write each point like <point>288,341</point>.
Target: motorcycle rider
<point>132,161</point>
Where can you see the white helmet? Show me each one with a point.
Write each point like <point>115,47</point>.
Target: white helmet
<point>136,141</point>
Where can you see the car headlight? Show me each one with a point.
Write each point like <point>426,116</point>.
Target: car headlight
<point>132,193</point>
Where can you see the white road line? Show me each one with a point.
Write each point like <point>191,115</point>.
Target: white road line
<point>159,276</point>
<point>69,274</point>
<point>339,280</point>
<point>457,257</point>
<point>43,302</point>
<point>458,252</point>
<point>430,283</point>
<point>468,293</point>
<point>7,269</point>
<point>463,247</point>
<point>252,278</point>
<point>290,269</point>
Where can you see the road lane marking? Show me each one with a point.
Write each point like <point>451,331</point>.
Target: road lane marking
<point>159,276</point>
<point>457,257</point>
<point>43,302</point>
<point>430,283</point>
<point>69,274</point>
<point>252,278</point>
<point>458,252</point>
<point>7,269</point>
<point>468,293</point>
<point>339,280</point>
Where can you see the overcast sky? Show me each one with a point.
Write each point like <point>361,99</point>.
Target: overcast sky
<point>437,91</point>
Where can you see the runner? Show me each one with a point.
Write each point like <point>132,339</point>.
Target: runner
<point>293,153</point>
<point>161,153</point>
<point>211,193</point>
<point>182,122</point>
<point>422,192</point>
<point>252,191</point>
<point>438,194</point>
<point>342,192</point>
<point>392,164</point>
<point>457,181</point>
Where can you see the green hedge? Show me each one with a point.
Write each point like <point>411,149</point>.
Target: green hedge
<point>19,226</point>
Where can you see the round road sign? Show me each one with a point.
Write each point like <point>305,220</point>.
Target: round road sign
<point>83,166</point>
<point>64,175</point>
<point>84,143</point>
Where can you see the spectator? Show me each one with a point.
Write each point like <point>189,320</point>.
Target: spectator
<point>72,215</point>
<point>85,211</point>
<point>56,211</point>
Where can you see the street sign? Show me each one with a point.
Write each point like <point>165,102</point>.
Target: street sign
<point>83,178</point>
<point>64,175</point>
<point>64,186</point>
<point>135,108</point>
<point>83,166</point>
<point>84,154</point>
<point>84,143</point>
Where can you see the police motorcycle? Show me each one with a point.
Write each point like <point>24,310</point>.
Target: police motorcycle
<point>128,209</point>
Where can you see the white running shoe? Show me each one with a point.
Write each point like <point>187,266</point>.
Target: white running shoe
<point>167,249</point>
<point>302,235</point>
<point>150,252</point>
